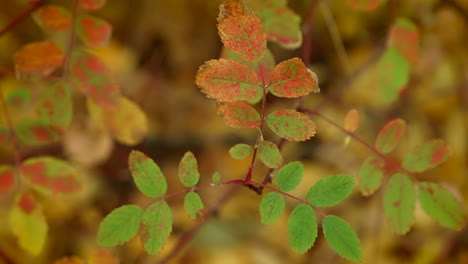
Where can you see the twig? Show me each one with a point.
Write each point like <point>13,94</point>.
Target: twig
<point>21,17</point>
<point>71,41</point>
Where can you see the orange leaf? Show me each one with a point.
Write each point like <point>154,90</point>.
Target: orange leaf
<point>92,4</point>
<point>239,115</point>
<point>351,121</point>
<point>39,57</point>
<point>94,32</point>
<point>404,36</point>
<point>69,260</point>
<point>53,18</point>
<point>7,178</point>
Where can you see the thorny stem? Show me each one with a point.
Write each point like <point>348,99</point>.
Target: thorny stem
<point>21,17</point>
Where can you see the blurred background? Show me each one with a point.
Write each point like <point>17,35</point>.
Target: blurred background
<point>155,52</point>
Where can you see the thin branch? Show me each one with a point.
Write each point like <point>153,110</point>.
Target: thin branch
<point>21,17</point>
<point>71,41</point>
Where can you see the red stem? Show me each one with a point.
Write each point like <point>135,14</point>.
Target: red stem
<point>21,17</point>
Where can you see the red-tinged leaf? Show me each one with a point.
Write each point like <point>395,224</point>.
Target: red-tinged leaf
<point>371,175</point>
<point>188,170</point>
<point>390,135</point>
<point>55,106</point>
<point>7,178</point>
<point>228,81</point>
<point>366,5</point>
<point>351,121</point>
<point>38,57</point>
<point>269,154</point>
<point>426,156</point>
<point>240,31</point>
<point>19,98</point>
<point>404,36</point>
<point>53,18</point>
<point>392,75</point>
<point>51,175</point>
<point>94,32</point>
<point>239,115</point>
<point>92,4</point>
<point>292,79</point>
<point>93,78</point>
<point>399,202</point>
<point>291,125</point>
<point>37,132</point>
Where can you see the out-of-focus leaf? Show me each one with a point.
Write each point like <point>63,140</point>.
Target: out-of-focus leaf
<point>4,134</point>
<point>156,226</point>
<point>240,31</point>
<point>120,225</point>
<point>38,57</point>
<point>399,202</point>
<point>7,178</point>
<point>351,121</point>
<point>28,224</point>
<point>271,207</point>
<point>228,81</point>
<point>302,228</point>
<point>19,98</point>
<point>441,205</point>
<point>239,115</point>
<point>392,75</point>
<point>282,26</point>
<point>404,36</point>
<point>371,175</point>
<point>93,31</point>
<point>292,79</point>
<point>69,260</point>
<point>37,132</point>
<point>390,135</point>
<point>147,175</point>
<point>216,177</point>
<point>366,5</point>
<point>55,106</point>
<point>269,154</point>
<point>52,18</point>
<point>240,151</point>
<point>291,125</point>
<point>330,190</point>
<point>192,204</point>
<point>342,238</point>
<point>289,176</point>
<point>426,156</point>
<point>92,4</point>
<point>51,175</point>
<point>188,170</point>
<point>102,256</point>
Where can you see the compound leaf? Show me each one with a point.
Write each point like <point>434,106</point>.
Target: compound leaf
<point>147,175</point>
<point>351,120</point>
<point>426,156</point>
<point>41,57</point>
<point>92,4</point>
<point>302,228</point>
<point>188,170</point>
<point>291,125</point>
<point>240,151</point>
<point>119,226</point>
<point>156,226</point>
<point>52,18</point>
<point>239,115</point>
<point>271,207</point>
<point>441,205</point>
<point>342,238</point>
<point>399,202</point>
<point>330,190</point>
<point>192,204</point>
<point>93,31</point>
<point>292,79</point>
<point>390,135</point>
<point>404,36</point>
<point>269,154</point>
<point>7,178</point>
<point>289,176</point>
<point>371,175</point>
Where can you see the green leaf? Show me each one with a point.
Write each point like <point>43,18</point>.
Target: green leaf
<point>302,228</point>
<point>19,98</point>
<point>441,205</point>
<point>292,79</point>
<point>188,170</point>
<point>330,190</point>
<point>55,106</point>
<point>289,176</point>
<point>371,175</point>
<point>216,177</point>
<point>240,151</point>
<point>389,136</point>
<point>271,207</point>
<point>93,31</point>
<point>269,154</point>
<point>426,156</point>
<point>291,125</point>
<point>399,202</point>
<point>342,238</point>
<point>37,132</point>
<point>192,204</point>
<point>392,75</point>
<point>147,175</point>
<point>156,226</point>
<point>119,226</point>
<point>239,115</point>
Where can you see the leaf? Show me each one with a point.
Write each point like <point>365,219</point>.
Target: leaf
<point>390,135</point>
<point>426,156</point>
<point>120,225</point>
<point>291,125</point>
<point>147,175</point>
<point>241,32</point>
<point>228,81</point>
<point>192,204</point>
<point>102,256</point>
<point>399,202</point>
<point>404,36</point>
<point>92,4</point>
<point>156,226</point>
<point>38,57</point>
<point>271,207</point>
<point>291,79</point>
<point>441,205</point>
<point>239,115</point>
<point>93,31</point>
<point>127,123</point>
<point>371,175</point>
<point>366,5</point>
<point>52,18</point>
<point>342,238</point>
<point>216,177</point>
<point>351,120</point>
<point>392,75</point>
<point>37,132</point>
<point>269,154</point>
<point>240,151</point>
<point>289,176</point>
<point>69,260</point>
<point>4,135</point>
<point>330,190</point>
<point>302,228</point>
<point>19,98</point>
<point>51,175</point>
<point>7,178</point>
<point>93,78</point>
<point>188,170</point>
<point>28,224</point>
<point>55,106</point>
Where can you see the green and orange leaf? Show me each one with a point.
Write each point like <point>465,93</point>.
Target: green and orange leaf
<point>146,174</point>
<point>55,106</point>
<point>39,57</point>
<point>404,36</point>
<point>93,31</point>
<point>92,4</point>
<point>37,132</point>
<point>52,18</point>
<point>156,226</point>
<point>426,156</point>
<point>371,175</point>
<point>399,202</point>
<point>239,115</point>
<point>390,135</point>
<point>292,79</point>
<point>351,120</point>
<point>291,125</point>
<point>7,178</point>
<point>188,170</point>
